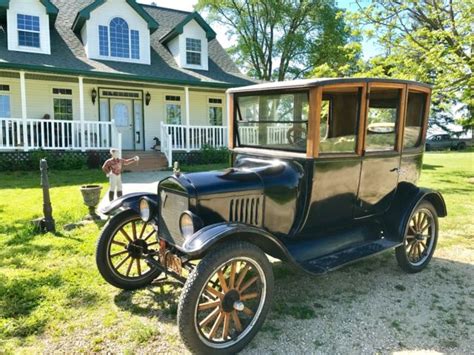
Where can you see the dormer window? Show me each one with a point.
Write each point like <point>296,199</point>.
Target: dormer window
<point>118,41</point>
<point>193,51</point>
<point>28,31</point>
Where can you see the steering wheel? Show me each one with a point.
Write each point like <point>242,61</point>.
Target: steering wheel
<point>294,135</point>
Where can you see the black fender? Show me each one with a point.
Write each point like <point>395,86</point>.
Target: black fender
<point>201,241</point>
<point>407,198</point>
<point>128,201</point>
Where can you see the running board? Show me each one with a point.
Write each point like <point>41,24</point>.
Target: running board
<point>330,262</point>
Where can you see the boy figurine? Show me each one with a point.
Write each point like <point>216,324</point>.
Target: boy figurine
<point>113,169</point>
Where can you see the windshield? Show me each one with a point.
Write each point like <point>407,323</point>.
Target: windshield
<point>277,121</point>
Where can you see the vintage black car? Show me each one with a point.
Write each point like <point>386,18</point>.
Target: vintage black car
<point>323,173</point>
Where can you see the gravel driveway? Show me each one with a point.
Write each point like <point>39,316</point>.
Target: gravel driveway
<point>374,307</point>
<point>368,307</point>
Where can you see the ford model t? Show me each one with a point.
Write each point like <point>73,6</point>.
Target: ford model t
<point>323,173</point>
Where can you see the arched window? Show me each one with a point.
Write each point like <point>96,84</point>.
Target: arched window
<point>122,42</point>
<point>119,38</point>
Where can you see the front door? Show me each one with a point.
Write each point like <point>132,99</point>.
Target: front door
<point>122,115</point>
<point>381,156</point>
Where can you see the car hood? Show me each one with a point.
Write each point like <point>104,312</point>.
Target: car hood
<point>222,182</point>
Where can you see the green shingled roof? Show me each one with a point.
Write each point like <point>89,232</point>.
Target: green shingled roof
<point>85,14</point>
<point>68,56</point>
<point>179,28</point>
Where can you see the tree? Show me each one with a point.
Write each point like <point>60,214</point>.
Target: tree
<point>426,40</point>
<point>281,39</point>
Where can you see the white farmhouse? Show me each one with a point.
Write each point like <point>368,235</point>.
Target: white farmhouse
<point>75,74</point>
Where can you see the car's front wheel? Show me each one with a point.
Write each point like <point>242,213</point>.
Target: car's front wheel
<point>225,299</point>
<point>121,248</point>
<point>421,236</point>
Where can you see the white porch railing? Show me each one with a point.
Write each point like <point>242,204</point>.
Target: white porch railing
<point>55,134</point>
<point>188,138</point>
<point>275,134</point>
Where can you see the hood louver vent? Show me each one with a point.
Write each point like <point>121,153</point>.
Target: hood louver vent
<point>246,210</point>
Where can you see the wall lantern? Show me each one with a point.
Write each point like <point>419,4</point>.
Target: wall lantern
<point>94,95</point>
<point>147,98</point>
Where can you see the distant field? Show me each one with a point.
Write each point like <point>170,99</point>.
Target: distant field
<point>53,299</point>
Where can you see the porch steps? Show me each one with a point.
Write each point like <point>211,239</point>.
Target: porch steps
<point>149,161</point>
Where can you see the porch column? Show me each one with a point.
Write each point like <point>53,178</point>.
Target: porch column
<point>82,113</point>
<point>24,112</point>
<point>188,124</point>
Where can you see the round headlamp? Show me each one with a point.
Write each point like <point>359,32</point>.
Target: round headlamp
<point>146,209</point>
<point>189,223</point>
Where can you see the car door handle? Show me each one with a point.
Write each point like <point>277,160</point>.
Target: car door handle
<point>394,170</point>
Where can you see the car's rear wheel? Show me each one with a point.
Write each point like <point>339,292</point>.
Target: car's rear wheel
<point>420,239</point>
<point>122,245</point>
<point>461,146</point>
<point>225,299</point>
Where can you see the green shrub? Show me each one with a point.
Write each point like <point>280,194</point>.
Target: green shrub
<point>94,160</point>
<point>30,161</point>
<point>207,155</point>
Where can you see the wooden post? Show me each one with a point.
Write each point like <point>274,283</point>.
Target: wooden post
<point>45,224</point>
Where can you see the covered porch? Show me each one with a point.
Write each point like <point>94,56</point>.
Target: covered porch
<point>99,114</point>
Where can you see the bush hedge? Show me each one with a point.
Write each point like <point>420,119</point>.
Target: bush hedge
<point>207,155</point>
<point>61,160</point>
<point>29,161</point>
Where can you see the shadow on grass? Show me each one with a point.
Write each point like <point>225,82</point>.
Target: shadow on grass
<point>19,298</point>
<point>158,300</point>
<point>432,167</point>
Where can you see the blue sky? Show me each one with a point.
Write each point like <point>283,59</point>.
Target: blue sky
<point>369,48</point>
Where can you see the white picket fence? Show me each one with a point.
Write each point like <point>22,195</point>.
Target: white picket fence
<point>30,134</point>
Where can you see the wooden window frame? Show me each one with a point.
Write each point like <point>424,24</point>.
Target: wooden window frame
<point>427,91</point>
<point>400,123</point>
<point>316,97</point>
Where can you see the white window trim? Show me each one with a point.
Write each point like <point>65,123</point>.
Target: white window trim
<point>61,96</point>
<point>212,104</point>
<point>119,59</point>
<point>166,102</point>
<point>191,65</point>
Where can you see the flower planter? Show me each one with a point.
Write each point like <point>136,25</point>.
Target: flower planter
<point>91,196</point>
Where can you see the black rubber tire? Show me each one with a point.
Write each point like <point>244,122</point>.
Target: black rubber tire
<point>102,259</point>
<point>461,146</point>
<point>195,282</point>
<point>400,252</point>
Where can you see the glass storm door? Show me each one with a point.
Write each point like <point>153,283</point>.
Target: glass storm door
<point>122,114</point>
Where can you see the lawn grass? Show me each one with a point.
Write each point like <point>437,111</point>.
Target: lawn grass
<point>50,287</point>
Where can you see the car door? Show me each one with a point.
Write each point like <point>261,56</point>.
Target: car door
<point>337,164</point>
<point>382,148</point>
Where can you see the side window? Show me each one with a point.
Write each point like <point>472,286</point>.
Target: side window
<point>28,30</point>
<point>215,111</point>
<point>5,101</point>
<point>414,120</point>
<point>173,109</point>
<point>382,115</point>
<point>62,104</point>
<point>339,117</point>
